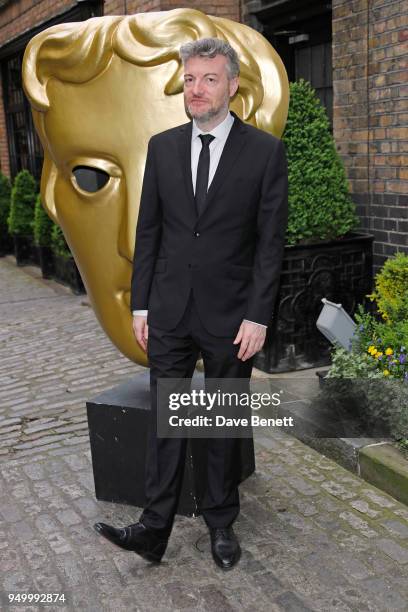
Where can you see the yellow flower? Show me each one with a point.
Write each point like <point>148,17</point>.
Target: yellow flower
<point>385,372</point>
<point>389,351</point>
<point>378,354</point>
<point>371,349</point>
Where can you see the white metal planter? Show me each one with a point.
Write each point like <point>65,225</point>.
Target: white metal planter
<point>336,324</point>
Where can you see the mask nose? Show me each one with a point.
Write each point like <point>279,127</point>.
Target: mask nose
<point>128,218</point>
<point>125,241</point>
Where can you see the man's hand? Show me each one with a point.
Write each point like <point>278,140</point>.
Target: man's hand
<point>141,330</point>
<point>252,338</point>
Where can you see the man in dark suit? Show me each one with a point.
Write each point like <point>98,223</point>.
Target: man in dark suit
<point>208,253</point>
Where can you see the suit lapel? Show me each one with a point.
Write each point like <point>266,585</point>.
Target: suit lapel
<point>184,144</point>
<point>232,147</point>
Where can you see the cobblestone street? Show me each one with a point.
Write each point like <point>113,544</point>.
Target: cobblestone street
<point>313,536</point>
<point>54,356</point>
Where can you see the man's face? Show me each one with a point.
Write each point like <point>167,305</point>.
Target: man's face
<point>207,88</point>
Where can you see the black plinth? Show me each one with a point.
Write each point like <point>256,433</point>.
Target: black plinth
<point>118,421</point>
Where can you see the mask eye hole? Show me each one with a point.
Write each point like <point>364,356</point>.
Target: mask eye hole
<point>90,179</point>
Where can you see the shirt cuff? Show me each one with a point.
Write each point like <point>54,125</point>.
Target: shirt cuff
<point>143,313</point>
<point>261,324</point>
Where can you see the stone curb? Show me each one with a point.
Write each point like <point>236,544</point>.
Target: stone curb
<point>377,461</point>
<point>386,468</point>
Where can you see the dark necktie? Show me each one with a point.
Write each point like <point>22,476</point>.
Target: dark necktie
<point>203,169</point>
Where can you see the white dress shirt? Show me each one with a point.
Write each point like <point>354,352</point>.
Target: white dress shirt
<point>220,133</point>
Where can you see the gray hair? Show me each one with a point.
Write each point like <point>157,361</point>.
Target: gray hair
<point>210,47</point>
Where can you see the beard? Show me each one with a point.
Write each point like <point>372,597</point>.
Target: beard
<point>203,117</point>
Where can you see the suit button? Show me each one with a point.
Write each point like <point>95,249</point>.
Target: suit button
<point>196,234</point>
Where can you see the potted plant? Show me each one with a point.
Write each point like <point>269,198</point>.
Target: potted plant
<point>21,217</point>
<point>43,225</point>
<point>66,270</point>
<point>375,371</point>
<point>324,256</point>
<point>6,242</point>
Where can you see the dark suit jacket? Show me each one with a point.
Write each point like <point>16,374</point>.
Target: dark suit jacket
<point>230,255</point>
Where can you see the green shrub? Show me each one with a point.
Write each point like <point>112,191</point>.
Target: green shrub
<point>5,196</point>
<point>347,364</point>
<point>23,195</point>
<point>58,243</point>
<point>43,225</point>
<point>391,288</point>
<point>320,206</point>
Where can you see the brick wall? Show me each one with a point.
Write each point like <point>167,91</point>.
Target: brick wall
<point>129,7</point>
<point>220,8</point>
<point>4,152</point>
<point>370,110</point>
<point>16,18</point>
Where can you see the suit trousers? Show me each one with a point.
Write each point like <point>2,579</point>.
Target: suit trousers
<point>173,354</point>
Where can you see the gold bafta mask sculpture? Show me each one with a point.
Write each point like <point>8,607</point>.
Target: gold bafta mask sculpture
<point>98,90</point>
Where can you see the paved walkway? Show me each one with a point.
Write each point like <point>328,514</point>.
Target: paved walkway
<point>314,536</point>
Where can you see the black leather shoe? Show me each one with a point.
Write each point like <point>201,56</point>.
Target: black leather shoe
<point>148,543</point>
<point>225,547</point>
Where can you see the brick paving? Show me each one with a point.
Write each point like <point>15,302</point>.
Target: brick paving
<point>53,356</point>
<point>314,536</point>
